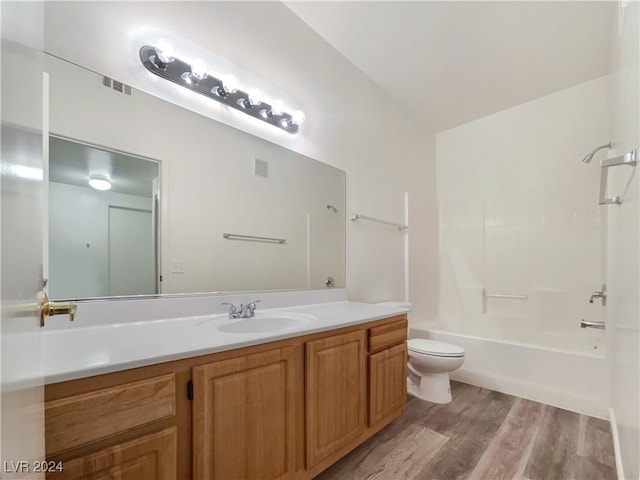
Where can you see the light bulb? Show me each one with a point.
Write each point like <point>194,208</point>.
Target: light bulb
<point>230,83</point>
<point>188,78</point>
<point>165,51</point>
<point>284,122</point>
<point>255,97</point>
<point>298,117</point>
<point>99,183</point>
<point>199,69</point>
<point>277,107</point>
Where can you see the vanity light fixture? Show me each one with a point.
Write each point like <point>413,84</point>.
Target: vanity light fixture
<point>99,183</point>
<point>161,60</point>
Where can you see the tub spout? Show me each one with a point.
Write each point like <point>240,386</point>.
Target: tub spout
<point>587,323</point>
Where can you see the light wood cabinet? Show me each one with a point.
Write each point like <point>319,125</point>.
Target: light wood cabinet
<point>243,422</point>
<point>282,410</point>
<point>387,371</point>
<point>150,457</point>
<point>387,335</point>
<point>387,383</point>
<point>336,393</point>
<point>81,419</point>
<point>133,424</point>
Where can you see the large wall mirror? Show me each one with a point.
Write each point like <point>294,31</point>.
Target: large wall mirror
<point>214,209</point>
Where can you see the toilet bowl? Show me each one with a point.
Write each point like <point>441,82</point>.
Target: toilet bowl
<point>428,368</point>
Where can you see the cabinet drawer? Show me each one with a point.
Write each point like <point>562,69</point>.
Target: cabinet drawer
<point>85,418</point>
<point>387,335</point>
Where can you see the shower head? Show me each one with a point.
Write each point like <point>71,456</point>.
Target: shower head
<point>331,207</point>
<point>589,156</point>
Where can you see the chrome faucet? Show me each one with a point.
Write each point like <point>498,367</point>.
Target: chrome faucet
<point>587,323</point>
<point>243,311</point>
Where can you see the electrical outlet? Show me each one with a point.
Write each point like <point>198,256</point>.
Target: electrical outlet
<point>177,267</point>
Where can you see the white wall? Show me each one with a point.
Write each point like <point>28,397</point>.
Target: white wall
<point>519,214</point>
<point>350,124</point>
<point>78,239</point>
<point>623,254</point>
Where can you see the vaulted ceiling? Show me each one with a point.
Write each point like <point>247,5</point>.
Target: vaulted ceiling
<point>451,62</point>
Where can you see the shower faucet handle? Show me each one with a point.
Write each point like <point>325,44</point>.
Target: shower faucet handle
<point>602,295</point>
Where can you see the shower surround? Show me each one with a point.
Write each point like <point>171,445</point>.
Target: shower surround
<point>522,237</point>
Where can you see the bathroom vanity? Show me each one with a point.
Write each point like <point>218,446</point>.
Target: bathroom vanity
<point>275,409</point>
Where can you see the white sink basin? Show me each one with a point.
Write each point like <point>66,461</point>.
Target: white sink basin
<point>267,323</point>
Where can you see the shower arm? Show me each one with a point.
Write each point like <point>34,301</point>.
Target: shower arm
<point>587,158</point>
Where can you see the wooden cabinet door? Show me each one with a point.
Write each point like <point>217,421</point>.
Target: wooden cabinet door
<point>387,383</point>
<point>243,419</point>
<point>336,393</point>
<point>150,457</point>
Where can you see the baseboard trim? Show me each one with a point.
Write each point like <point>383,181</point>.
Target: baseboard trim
<point>616,444</point>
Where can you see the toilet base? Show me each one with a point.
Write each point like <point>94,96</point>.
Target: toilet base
<point>432,387</point>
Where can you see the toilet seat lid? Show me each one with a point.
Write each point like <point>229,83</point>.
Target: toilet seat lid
<point>434,347</point>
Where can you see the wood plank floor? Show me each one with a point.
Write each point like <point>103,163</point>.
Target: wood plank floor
<point>481,435</point>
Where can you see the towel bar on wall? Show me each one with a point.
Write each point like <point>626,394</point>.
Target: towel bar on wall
<point>629,159</point>
<point>251,238</point>
<point>357,216</point>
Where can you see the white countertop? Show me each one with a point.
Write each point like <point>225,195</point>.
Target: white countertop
<point>77,351</point>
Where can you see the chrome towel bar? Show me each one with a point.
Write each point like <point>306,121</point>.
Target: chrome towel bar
<point>357,216</point>
<point>251,238</point>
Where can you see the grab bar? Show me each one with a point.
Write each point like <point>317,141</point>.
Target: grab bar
<point>511,296</point>
<point>357,216</point>
<point>507,296</point>
<point>251,238</point>
<point>629,159</point>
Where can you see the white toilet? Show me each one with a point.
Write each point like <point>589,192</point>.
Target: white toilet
<point>428,369</point>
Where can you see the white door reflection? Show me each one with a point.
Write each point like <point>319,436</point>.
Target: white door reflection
<point>101,242</point>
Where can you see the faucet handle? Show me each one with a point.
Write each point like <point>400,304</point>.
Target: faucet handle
<point>232,307</point>
<point>602,295</point>
<point>251,305</point>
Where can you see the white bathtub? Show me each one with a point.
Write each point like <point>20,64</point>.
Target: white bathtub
<point>570,373</point>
